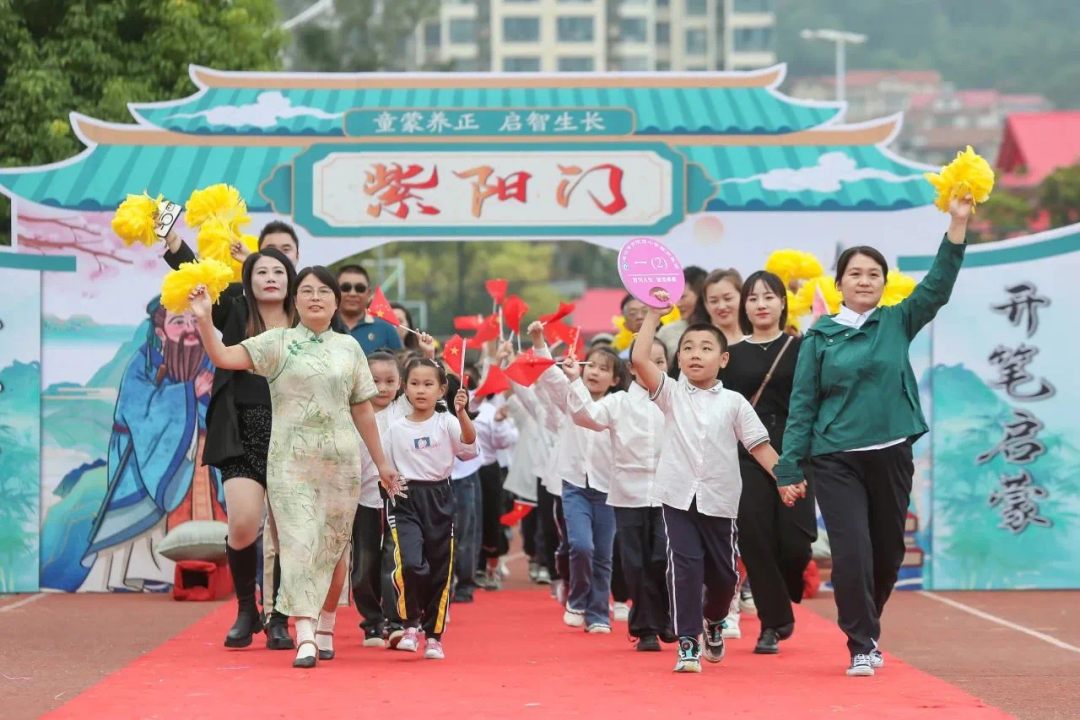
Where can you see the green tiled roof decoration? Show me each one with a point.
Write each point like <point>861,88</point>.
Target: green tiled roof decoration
<point>667,111</point>
<point>176,172</point>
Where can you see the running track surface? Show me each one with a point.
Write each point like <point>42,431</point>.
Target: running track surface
<point>510,656</point>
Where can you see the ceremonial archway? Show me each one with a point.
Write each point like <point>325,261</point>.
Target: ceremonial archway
<point>722,166</point>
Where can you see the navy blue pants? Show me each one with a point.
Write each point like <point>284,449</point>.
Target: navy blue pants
<point>702,550</point>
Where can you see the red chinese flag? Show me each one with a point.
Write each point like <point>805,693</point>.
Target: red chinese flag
<point>454,354</point>
<point>488,331</point>
<point>527,368</point>
<point>380,308</point>
<point>495,382</point>
<point>512,518</point>
<point>514,310</point>
<point>556,332</point>
<point>468,322</point>
<point>497,290</point>
<point>564,310</point>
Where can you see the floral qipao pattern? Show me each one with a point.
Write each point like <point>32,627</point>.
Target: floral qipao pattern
<point>313,467</point>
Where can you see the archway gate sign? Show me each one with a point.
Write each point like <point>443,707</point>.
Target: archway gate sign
<point>719,167</point>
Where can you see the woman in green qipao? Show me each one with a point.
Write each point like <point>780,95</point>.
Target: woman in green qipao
<point>320,387</point>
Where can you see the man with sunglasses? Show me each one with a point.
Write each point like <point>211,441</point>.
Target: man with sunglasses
<point>356,291</point>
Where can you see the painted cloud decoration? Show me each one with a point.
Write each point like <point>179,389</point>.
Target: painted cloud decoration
<point>832,170</point>
<point>267,110</point>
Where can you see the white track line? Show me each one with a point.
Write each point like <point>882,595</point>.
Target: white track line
<point>1000,621</point>
<point>24,601</point>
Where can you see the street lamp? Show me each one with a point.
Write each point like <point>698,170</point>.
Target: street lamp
<point>842,39</point>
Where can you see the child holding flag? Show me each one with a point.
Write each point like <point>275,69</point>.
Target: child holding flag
<point>698,481</point>
<point>422,446</point>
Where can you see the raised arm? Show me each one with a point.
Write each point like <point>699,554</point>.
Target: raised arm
<point>802,413</point>
<point>178,253</point>
<point>930,295</point>
<point>651,375</point>
<point>235,357</point>
<point>585,411</point>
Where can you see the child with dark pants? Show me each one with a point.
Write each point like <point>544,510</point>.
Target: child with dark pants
<point>422,446</point>
<point>698,482</point>
<point>366,577</point>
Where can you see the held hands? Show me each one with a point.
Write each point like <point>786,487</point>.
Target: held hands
<point>393,483</point>
<point>200,302</point>
<point>571,368</point>
<point>790,493</point>
<point>461,401</point>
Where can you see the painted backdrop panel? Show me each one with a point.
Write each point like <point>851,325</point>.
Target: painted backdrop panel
<point>20,427</point>
<point>1006,493</point>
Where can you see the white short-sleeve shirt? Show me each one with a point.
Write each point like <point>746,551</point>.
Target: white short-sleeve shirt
<point>426,451</point>
<point>699,457</point>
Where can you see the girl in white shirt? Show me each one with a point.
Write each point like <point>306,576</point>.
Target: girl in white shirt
<point>585,467</point>
<point>635,427</point>
<point>422,447</point>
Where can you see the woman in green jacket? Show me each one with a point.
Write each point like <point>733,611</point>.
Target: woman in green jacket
<point>854,416</point>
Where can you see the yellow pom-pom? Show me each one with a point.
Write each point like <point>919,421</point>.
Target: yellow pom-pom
<point>136,219</point>
<point>218,202</point>
<point>805,297</point>
<point>969,175</point>
<point>624,337</point>
<point>671,316</point>
<point>790,265</point>
<point>178,284</point>
<point>897,288</point>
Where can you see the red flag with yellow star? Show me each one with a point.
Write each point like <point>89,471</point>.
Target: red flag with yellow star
<point>564,310</point>
<point>380,308</point>
<point>497,290</point>
<point>454,355</point>
<point>486,332</point>
<point>527,368</point>
<point>494,383</point>
<point>514,310</point>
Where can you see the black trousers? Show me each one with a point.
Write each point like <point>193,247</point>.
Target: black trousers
<point>392,609</point>
<point>774,542</point>
<point>702,550</point>
<point>493,539</point>
<point>366,577</point>
<point>528,535</point>
<point>642,547</point>
<point>547,535</point>
<point>864,498</point>
<point>620,591</point>
<point>422,525</point>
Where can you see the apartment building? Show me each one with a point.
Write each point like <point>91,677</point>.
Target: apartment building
<point>597,35</point>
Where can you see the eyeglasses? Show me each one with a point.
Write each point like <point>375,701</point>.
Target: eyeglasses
<point>307,291</point>
<point>360,288</point>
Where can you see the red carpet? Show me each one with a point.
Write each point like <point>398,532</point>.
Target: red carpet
<point>509,655</point>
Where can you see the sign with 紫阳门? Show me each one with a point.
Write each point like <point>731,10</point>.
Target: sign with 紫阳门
<point>459,189</point>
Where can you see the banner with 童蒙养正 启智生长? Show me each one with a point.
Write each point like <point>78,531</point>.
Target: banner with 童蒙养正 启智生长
<point>1004,426</point>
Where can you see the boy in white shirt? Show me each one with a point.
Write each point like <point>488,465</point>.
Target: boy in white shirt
<point>698,481</point>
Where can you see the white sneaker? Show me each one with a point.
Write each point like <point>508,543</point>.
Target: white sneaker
<point>543,577</point>
<point>877,660</point>
<point>621,612</point>
<point>433,650</point>
<point>861,666</point>
<point>574,619</point>
<point>732,631</point>
<point>731,622</point>
<point>409,641</point>
<point>504,571</point>
<point>599,629</point>
<point>746,601</point>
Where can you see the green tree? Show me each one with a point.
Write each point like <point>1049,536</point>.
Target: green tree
<point>450,276</point>
<point>359,35</point>
<point>1018,47</point>
<point>1059,195</point>
<point>1006,213</point>
<point>57,56</point>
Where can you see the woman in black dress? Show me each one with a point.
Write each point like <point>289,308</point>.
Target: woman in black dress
<point>238,422</point>
<point>774,539</point>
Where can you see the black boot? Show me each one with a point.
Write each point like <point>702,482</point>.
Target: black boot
<point>242,564</point>
<point>277,627</point>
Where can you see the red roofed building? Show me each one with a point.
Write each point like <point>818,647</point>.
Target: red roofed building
<point>1035,145</point>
